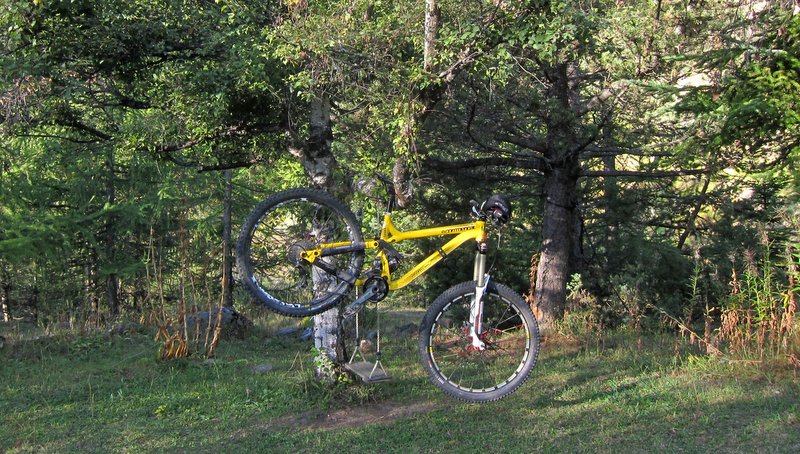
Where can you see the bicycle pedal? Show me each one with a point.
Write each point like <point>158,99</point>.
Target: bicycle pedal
<point>352,309</point>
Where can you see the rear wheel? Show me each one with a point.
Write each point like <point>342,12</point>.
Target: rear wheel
<point>510,335</point>
<point>273,239</point>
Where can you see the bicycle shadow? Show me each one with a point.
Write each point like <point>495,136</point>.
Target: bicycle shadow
<point>603,377</point>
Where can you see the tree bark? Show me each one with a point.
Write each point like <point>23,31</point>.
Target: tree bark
<point>227,258</point>
<point>318,161</point>
<point>431,31</point>
<point>112,280</point>
<point>90,285</point>
<point>558,227</point>
<point>319,164</point>
<point>5,298</point>
<point>560,222</point>
<point>427,99</point>
<point>690,221</point>
<point>317,158</point>
<point>33,302</point>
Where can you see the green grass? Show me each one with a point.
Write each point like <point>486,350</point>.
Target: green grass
<point>99,394</point>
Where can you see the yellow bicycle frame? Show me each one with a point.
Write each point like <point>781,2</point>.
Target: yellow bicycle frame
<point>390,235</point>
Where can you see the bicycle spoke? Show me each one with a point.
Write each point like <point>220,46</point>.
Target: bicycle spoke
<point>271,251</point>
<point>470,371</point>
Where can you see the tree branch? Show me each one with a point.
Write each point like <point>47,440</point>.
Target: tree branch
<point>642,174</point>
<point>528,143</point>
<point>228,166</point>
<point>616,89</point>
<point>531,163</point>
<point>601,152</point>
<point>100,135</point>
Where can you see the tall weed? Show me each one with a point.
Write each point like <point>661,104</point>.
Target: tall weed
<point>183,334</point>
<point>758,316</point>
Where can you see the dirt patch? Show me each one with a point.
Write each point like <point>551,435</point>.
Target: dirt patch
<point>372,414</point>
<point>353,417</point>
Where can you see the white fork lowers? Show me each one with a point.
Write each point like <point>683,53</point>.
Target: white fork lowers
<point>476,315</point>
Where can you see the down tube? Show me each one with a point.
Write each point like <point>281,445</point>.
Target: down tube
<point>432,259</point>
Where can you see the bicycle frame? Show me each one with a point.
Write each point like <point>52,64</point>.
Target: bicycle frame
<point>390,234</point>
<point>463,233</point>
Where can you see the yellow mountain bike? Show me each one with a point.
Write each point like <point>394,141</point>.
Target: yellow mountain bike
<point>301,252</point>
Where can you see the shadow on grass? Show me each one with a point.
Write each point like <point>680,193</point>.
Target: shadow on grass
<point>618,399</point>
<point>578,401</point>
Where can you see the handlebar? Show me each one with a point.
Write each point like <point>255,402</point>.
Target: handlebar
<point>496,208</point>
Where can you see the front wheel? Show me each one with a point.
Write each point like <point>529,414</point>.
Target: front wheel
<point>509,333</point>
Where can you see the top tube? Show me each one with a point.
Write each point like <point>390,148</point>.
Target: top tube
<point>391,234</point>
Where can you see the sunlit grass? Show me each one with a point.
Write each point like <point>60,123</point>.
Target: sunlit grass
<point>100,394</point>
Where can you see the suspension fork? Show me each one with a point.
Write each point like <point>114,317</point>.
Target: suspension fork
<point>476,307</point>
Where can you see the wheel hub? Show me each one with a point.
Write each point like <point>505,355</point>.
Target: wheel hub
<point>295,253</point>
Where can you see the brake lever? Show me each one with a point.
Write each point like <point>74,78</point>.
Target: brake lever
<point>475,209</point>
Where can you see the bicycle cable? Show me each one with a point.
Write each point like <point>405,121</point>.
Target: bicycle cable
<point>496,251</point>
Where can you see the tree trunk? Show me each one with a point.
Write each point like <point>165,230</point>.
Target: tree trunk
<point>90,285</point>
<point>5,298</point>
<point>431,31</point>
<point>690,221</point>
<point>422,105</point>
<point>227,258</point>
<point>558,227</point>
<point>33,302</point>
<point>318,159</point>
<point>319,163</point>
<point>112,280</point>
<point>560,223</point>
<point>610,196</point>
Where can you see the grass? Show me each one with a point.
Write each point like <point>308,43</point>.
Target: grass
<point>95,393</point>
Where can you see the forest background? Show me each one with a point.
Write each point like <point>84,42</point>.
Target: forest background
<point>650,149</point>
